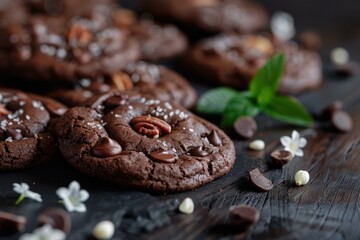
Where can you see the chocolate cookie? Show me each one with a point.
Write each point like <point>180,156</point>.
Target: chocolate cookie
<point>24,136</point>
<point>233,60</point>
<point>157,41</point>
<point>242,16</point>
<point>57,49</point>
<point>153,80</point>
<point>144,143</point>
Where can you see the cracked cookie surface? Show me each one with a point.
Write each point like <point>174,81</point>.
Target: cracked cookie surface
<point>144,143</point>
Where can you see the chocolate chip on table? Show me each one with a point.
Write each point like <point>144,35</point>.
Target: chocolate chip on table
<point>342,121</point>
<point>260,181</point>
<point>106,147</point>
<point>346,69</point>
<point>330,109</point>
<point>214,138</point>
<point>163,156</point>
<point>281,157</point>
<point>57,218</point>
<point>245,126</point>
<point>10,223</point>
<point>244,216</point>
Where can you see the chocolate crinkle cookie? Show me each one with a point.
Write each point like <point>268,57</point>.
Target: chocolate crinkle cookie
<point>24,135</point>
<point>241,16</point>
<point>233,60</point>
<point>145,143</point>
<point>154,80</point>
<point>60,49</point>
<point>157,41</point>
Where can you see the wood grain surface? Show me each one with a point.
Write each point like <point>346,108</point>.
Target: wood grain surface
<point>326,208</point>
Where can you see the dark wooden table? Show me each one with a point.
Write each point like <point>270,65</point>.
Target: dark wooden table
<point>326,208</point>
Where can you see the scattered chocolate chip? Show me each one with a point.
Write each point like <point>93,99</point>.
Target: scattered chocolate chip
<point>342,121</point>
<point>214,138</point>
<point>163,156</point>
<point>346,70</point>
<point>260,181</point>
<point>199,152</point>
<point>310,40</point>
<point>106,147</point>
<point>244,216</point>
<point>112,102</point>
<point>281,157</point>
<point>57,218</point>
<point>245,127</point>
<point>14,134</point>
<point>330,109</point>
<point>10,223</point>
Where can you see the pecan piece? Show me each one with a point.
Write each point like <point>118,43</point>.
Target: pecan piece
<point>149,126</point>
<point>261,44</point>
<point>3,110</point>
<point>79,35</point>
<point>123,18</point>
<point>122,81</point>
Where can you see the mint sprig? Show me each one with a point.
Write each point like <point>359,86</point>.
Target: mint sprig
<point>261,97</point>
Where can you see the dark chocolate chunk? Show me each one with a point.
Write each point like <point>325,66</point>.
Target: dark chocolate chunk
<point>214,138</point>
<point>106,147</point>
<point>163,156</point>
<point>330,109</point>
<point>244,216</point>
<point>260,181</point>
<point>57,218</point>
<point>346,70</point>
<point>281,157</point>
<point>10,223</point>
<point>342,121</point>
<point>199,152</point>
<point>245,126</point>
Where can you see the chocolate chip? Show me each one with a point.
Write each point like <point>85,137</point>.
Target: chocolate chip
<point>346,69</point>
<point>10,223</point>
<point>281,157</point>
<point>106,147</point>
<point>163,156</point>
<point>57,218</point>
<point>245,127</point>
<point>342,121</point>
<point>14,134</point>
<point>261,182</point>
<point>328,111</point>
<point>113,102</point>
<point>310,40</point>
<point>244,216</point>
<point>199,152</point>
<point>214,138</point>
<point>55,109</point>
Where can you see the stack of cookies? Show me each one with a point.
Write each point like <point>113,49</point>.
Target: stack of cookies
<point>88,81</point>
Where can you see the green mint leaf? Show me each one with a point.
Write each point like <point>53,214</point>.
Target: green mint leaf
<point>215,100</point>
<point>240,105</point>
<point>264,84</point>
<point>287,109</point>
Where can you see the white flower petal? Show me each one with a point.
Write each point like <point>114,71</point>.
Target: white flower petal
<point>84,195</point>
<point>68,205</point>
<point>28,236</point>
<point>80,208</point>
<point>74,187</point>
<point>62,192</point>
<point>302,142</point>
<point>33,195</point>
<point>45,232</point>
<point>285,141</point>
<point>289,149</point>
<point>17,188</point>
<point>295,135</point>
<point>299,152</point>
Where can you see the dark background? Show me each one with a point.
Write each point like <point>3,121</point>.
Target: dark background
<point>326,208</point>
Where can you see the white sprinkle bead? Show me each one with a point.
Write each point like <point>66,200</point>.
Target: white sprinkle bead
<point>104,230</point>
<point>257,145</point>
<point>187,206</point>
<point>339,56</point>
<point>302,178</point>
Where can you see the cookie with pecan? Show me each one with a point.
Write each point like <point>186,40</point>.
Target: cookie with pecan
<point>25,139</point>
<point>145,143</point>
<point>154,80</point>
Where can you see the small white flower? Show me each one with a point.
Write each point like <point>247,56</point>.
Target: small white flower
<point>24,190</point>
<point>282,26</point>
<point>73,197</point>
<point>45,232</point>
<point>294,144</point>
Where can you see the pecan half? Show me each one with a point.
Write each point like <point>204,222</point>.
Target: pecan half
<point>149,126</point>
<point>123,18</point>
<point>3,110</point>
<point>122,81</point>
<point>79,35</point>
<point>259,43</point>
